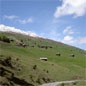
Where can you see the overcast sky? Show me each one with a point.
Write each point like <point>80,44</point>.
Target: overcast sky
<point>60,20</point>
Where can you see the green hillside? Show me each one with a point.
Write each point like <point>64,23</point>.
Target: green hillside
<point>20,60</point>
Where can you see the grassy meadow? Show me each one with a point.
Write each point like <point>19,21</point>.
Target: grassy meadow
<point>56,68</point>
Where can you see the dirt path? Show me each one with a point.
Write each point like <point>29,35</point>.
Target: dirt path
<point>58,83</point>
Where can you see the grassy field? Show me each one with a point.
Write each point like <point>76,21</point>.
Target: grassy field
<point>57,68</point>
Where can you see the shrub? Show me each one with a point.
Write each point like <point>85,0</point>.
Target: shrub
<point>74,83</point>
<point>62,84</point>
<point>35,67</point>
<point>5,39</point>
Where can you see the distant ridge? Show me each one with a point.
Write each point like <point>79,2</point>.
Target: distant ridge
<point>4,28</point>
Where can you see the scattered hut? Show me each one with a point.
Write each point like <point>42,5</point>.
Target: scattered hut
<point>58,54</point>
<point>44,58</point>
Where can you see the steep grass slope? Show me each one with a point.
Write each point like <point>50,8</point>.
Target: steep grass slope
<point>64,62</point>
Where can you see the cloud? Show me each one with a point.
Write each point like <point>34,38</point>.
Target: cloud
<point>51,34</point>
<point>11,17</point>
<point>4,28</point>
<point>71,7</point>
<point>68,30</point>
<point>82,40</point>
<point>68,39</point>
<point>25,21</point>
<point>17,19</point>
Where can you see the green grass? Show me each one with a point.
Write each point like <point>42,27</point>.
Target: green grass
<point>62,67</point>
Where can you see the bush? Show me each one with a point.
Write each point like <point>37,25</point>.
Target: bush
<point>5,39</point>
<point>62,84</point>
<point>74,83</point>
<point>35,67</point>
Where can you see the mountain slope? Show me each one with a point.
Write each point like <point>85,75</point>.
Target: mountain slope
<point>64,62</point>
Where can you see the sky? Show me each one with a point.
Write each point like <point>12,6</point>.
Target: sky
<point>59,20</point>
